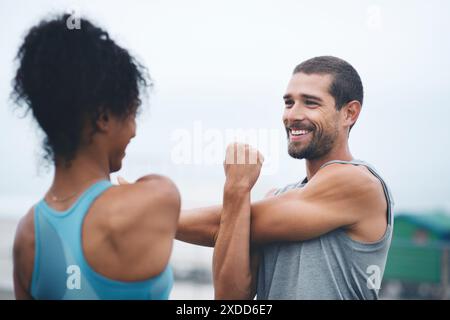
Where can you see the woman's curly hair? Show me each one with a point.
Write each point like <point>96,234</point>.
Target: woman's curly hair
<point>69,77</point>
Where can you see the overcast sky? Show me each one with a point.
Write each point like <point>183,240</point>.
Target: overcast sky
<point>224,65</point>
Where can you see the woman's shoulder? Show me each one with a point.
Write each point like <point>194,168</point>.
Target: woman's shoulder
<point>152,197</point>
<point>139,221</point>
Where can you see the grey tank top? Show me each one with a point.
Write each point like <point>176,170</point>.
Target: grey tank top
<point>332,266</point>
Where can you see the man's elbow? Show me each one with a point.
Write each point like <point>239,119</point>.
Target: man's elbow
<point>232,289</point>
<point>224,293</point>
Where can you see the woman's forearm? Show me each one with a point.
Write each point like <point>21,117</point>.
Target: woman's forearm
<point>199,226</point>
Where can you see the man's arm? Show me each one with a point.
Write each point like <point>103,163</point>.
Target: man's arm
<point>339,195</point>
<point>232,272</point>
<point>231,260</point>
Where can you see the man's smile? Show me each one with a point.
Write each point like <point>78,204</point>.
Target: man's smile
<point>298,134</point>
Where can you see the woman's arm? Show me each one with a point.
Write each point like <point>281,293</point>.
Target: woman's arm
<point>199,226</point>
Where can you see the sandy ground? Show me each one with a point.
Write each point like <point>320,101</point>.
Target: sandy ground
<point>7,231</point>
<point>6,295</point>
<point>181,291</point>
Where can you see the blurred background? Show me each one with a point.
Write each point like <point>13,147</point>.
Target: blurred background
<point>220,70</point>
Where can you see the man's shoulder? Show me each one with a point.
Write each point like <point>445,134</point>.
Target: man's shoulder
<point>355,184</point>
<point>348,174</point>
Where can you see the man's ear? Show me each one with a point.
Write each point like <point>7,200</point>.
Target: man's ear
<point>351,112</point>
<point>103,121</point>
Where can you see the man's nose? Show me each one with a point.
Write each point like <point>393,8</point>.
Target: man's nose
<point>295,113</point>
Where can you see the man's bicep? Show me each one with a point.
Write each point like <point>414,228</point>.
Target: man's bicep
<point>289,217</point>
<point>335,197</point>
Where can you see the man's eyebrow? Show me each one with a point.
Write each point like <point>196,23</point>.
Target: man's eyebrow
<point>311,97</point>
<point>304,96</point>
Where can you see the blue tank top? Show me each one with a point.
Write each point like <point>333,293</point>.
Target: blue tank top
<point>60,267</point>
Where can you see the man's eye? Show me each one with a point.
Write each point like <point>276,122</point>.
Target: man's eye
<point>288,103</point>
<point>311,103</point>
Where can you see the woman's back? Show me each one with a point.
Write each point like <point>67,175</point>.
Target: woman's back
<point>87,238</point>
<point>75,253</point>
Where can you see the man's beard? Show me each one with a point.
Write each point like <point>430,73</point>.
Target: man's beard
<point>321,143</point>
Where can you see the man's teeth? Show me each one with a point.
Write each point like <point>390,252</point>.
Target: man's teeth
<point>298,132</point>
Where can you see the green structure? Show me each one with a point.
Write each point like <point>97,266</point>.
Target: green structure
<point>420,248</point>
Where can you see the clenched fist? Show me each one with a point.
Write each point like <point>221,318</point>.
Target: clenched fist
<point>242,166</point>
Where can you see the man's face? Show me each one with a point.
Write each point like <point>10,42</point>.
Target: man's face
<point>310,116</point>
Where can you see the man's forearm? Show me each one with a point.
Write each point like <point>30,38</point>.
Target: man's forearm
<point>231,260</point>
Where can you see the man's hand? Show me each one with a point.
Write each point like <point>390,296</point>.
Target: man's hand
<point>201,226</point>
<point>242,166</point>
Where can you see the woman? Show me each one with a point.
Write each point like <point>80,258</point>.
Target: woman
<point>87,238</point>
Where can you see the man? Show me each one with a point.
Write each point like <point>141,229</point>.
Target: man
<point>324,237</point>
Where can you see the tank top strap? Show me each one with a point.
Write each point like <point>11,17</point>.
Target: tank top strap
<point>85,200</point>
<point>354,161</point>
<point>94,191</point>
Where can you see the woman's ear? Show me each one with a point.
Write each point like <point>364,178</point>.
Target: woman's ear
<point>103,121</point>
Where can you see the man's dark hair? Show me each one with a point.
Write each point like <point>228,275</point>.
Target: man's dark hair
<point>346,85</point>
<point>69,77</point>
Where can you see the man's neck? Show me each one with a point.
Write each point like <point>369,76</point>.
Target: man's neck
<point>312,166</point>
